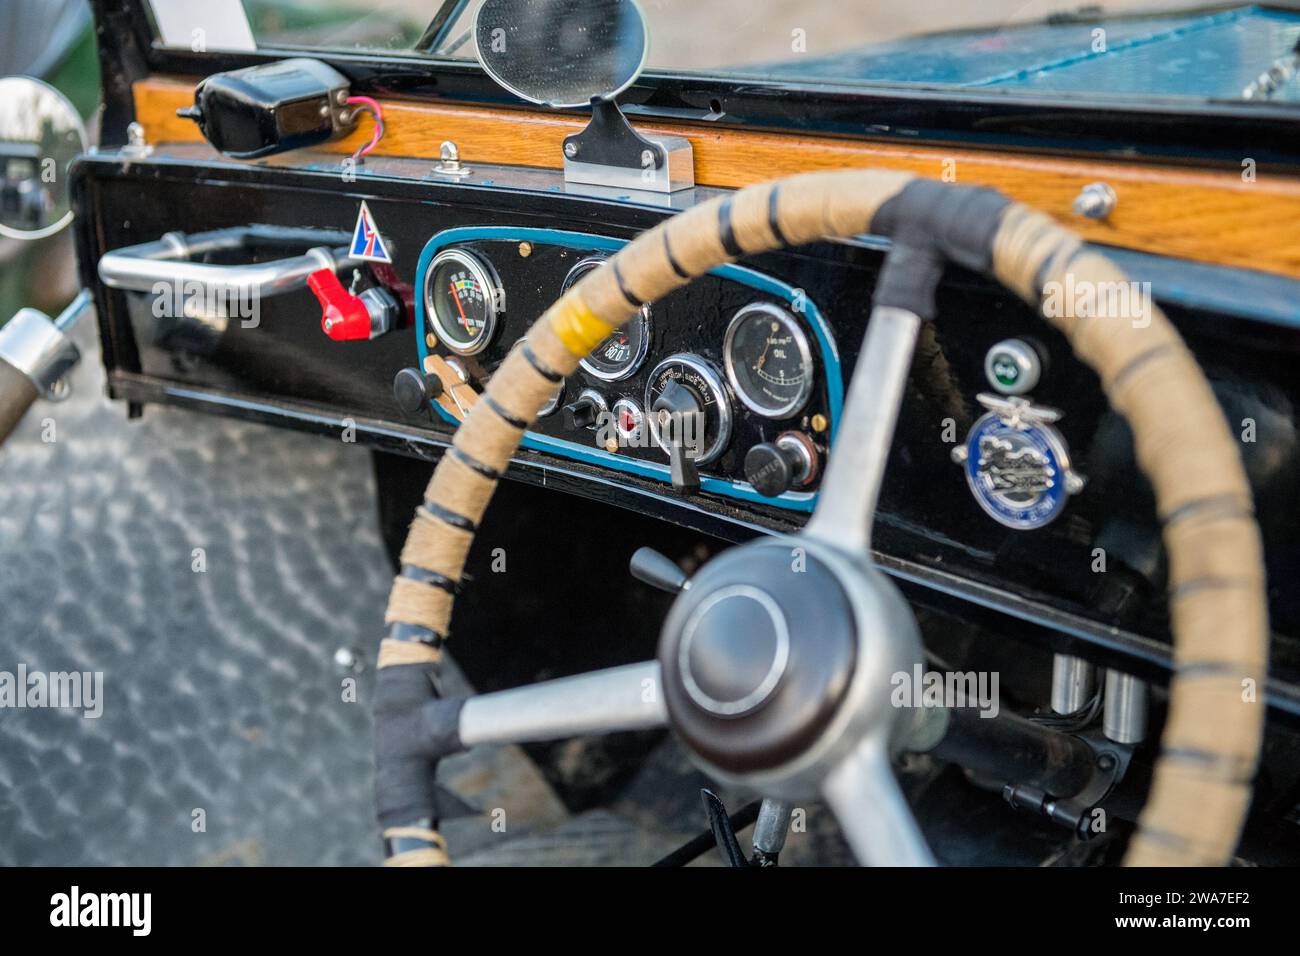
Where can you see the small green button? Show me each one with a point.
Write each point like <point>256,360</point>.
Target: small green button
<point>1005,370</point>
<point>1013,366</point>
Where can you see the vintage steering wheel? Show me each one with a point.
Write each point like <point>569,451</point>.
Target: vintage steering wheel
<point>803,712</point>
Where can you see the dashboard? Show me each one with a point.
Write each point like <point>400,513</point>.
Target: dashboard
<point>762,350</point>
<point>752,352</point>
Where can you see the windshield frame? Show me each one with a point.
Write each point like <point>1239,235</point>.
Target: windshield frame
<point>1164,130</point>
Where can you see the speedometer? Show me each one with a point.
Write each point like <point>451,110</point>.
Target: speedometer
<point>768,359</point>
<point>621,352</point>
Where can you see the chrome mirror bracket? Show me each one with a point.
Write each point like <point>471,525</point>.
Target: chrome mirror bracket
<point>611,153</point>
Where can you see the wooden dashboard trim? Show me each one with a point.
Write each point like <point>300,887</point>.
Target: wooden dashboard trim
<point>1219,217</point>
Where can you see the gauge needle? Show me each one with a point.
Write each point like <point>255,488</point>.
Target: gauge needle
<point>459,308</point>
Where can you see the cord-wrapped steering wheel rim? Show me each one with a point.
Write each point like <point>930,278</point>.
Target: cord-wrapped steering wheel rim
<point>1201,787</point>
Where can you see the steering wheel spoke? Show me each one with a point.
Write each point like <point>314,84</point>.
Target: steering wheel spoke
<point>846,505</point>
<point>872,811</point>
<point>601,702</point>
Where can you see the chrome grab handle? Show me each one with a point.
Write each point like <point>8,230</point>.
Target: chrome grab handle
<point>168,260</point>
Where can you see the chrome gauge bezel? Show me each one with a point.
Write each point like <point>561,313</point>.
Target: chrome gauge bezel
<point>642,317</point>
<point>710,375</point>
<point>486,278</point>
<point>632,406</point>
<point>552,403</point>
<point>795,405</point>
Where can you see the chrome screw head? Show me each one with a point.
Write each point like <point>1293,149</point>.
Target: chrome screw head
<point>1096,201</point>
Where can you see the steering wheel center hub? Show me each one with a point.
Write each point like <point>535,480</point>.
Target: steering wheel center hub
<point>757,656</point>
<point>734,649</point>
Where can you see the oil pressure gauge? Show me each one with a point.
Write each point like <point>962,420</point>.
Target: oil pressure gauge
<point>768,359</point>
<point>621,352</point>
<point>461,295</point>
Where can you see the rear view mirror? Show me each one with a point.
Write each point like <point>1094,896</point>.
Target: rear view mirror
<point>41,133</point>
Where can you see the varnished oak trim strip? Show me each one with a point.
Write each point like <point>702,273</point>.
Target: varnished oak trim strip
<point>1211,217</point>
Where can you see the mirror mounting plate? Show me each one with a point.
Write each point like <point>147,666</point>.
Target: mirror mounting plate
<point>609,152</point>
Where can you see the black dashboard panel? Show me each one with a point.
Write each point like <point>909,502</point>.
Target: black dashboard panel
<point>687,328</point>
<point>1095,573</point>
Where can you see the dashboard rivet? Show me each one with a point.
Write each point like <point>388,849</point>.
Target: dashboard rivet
<point>571,149</point>
<point>819,423</point>
<point>611,446</point>
<point>1096,201</point>
<point>431,340</point>
<point>525,249</point>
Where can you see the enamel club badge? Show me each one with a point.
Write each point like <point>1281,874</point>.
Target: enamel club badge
<point>1017,463</point>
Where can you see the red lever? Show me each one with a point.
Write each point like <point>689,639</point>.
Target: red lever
<point>345,315</point>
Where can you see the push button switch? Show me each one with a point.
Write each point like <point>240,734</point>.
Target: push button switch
<point>414,390</point>
<point>773,468</point>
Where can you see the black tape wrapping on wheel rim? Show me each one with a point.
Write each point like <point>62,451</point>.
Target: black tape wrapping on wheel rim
<point>414,729</point>
<point>929,223</point>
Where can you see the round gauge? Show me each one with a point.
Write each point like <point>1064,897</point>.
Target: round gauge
<point>460,295</point>
<point>704,388</point>
<point>624,349</point>
<point>769,362</point>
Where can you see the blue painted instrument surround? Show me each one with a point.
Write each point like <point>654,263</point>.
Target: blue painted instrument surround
<point>743,491</point>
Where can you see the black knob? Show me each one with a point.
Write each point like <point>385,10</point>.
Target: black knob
<point>658,571</point>
<point>582,413</point>
<point>413,390</point>
<point>773,468</point>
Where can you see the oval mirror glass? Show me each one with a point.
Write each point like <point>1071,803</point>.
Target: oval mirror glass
<point>41,134</point>
<point>562,53</point>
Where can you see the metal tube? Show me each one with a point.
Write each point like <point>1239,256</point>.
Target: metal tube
<point>1010,749</point>
<point>1074,681</point>
<point>1125,717</point>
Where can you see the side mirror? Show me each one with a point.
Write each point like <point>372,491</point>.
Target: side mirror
<point>41,134</point>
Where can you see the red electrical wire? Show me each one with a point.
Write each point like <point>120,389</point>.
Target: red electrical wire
<point>376,112</point>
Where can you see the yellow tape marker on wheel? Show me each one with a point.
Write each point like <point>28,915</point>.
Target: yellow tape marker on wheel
<point>577,326</point>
